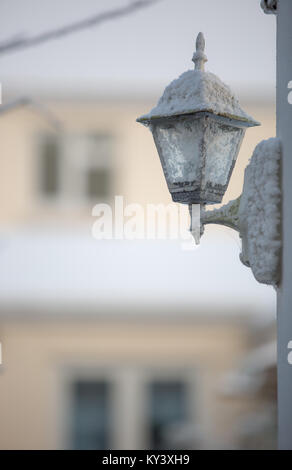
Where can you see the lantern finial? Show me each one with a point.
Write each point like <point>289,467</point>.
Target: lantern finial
<point>199,57</point>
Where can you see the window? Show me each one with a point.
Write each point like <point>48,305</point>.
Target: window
<point>131,409</point>
<point>76,168</point>
<point>167,407</point>
<point>50,167</point>
<point>91,415</point>
<point>97,182</point>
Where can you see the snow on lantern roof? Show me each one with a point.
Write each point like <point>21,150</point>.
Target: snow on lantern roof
<point>198,91</point>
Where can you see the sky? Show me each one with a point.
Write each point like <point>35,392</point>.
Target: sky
<point>143,51</point>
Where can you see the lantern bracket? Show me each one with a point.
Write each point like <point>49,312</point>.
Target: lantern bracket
<point>256,214</point>
<point>226,215</point>
<point>269,6</point>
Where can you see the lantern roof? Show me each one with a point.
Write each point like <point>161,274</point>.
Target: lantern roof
<point>198,91</point>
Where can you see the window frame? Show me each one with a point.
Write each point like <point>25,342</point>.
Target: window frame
<point>129,391</point>
<point>73,194</point>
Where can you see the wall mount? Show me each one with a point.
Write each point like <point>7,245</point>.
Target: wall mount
<point>256,214</point>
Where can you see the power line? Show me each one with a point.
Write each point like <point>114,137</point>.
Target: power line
<point>21,42</point>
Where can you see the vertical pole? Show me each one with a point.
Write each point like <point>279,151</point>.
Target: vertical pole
<point>284,310</point>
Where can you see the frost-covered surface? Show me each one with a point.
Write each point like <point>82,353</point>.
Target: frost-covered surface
<point>222,151</point>
<point>194,91</point>
<point>226,215</point>
<point>259,212</point>
<point>181,156</point>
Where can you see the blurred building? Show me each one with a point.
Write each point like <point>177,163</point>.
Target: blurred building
<point>114,343</point>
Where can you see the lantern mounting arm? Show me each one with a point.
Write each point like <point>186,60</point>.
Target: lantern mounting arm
<point>256,213</point>
<point>226,215</point>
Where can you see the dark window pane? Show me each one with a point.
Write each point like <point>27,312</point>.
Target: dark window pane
<point>103,141</point>
<point>50,167</point>
<point>168,406</point>
<point>98,183</point>
<point>90,415</point>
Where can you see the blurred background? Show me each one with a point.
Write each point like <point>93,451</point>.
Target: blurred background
<point>118,344</point>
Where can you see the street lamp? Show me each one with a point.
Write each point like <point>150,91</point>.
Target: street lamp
<point>198,126</point>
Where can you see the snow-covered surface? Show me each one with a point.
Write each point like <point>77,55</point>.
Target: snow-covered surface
<point>76,270</point>
<point>259,211</point>
<point>194,91</point>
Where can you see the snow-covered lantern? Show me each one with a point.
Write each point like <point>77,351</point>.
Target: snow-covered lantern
<point>198,126</point>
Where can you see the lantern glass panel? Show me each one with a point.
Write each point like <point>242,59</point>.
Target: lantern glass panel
<point>179,142</point>
<point>222,145</point>
<point>197,153</point>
